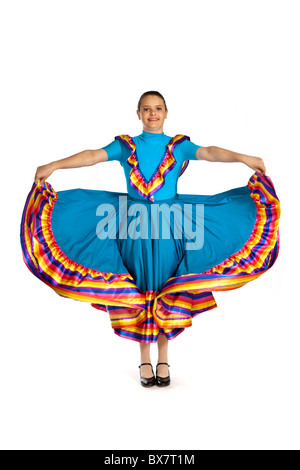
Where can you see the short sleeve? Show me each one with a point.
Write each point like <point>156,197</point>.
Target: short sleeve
<point>188,150</point>
<point>114,151</point>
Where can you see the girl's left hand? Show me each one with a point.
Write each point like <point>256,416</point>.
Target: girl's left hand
<point>256,163</point>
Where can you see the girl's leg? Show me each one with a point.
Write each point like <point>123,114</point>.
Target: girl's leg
<point>146,371</point>
<point>162,343</point>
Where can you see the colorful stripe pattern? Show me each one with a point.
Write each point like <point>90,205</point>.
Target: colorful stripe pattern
<point>257,255</point>
<point>136,177</point>
<point>186,304</point>
<point>184,166</point>
<point>135,314</point>
<point>48,262</point>
<point>183,297</point>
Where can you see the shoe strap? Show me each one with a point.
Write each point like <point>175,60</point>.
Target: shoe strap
<point>146,364</point>
<point>162,363</point>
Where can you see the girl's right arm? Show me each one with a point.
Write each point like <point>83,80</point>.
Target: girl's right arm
<point>84,158</point>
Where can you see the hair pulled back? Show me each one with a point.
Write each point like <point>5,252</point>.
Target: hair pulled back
<point>147,93</point>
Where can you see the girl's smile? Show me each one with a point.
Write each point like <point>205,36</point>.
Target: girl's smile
<point>152,113</point>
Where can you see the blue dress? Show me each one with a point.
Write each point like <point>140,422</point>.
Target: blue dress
<point>150,257</point>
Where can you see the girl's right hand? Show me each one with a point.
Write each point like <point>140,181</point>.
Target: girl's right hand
<point>43,172</point>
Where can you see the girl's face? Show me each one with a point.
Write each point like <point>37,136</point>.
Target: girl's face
<point>152,113</point>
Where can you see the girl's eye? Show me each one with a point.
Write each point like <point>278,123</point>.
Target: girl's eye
<point>147,109</point>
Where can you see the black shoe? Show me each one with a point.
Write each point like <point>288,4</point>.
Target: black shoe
<point>150,381</point>
<point>162,381</point>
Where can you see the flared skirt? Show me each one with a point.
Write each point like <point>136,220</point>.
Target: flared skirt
<point>151,266</point>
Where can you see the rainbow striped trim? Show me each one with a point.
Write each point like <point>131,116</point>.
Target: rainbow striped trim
<point>257,256</point>
<point>138,315</point>
<point>186,305</point>
<point>50,264</point>
<point>182,298</point>
<point>136,177</point>
<point>184,167</point>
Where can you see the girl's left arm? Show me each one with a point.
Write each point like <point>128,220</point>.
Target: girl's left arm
<point>217,154</point>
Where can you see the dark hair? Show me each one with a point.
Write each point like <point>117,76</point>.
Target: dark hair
<point>147,93</point>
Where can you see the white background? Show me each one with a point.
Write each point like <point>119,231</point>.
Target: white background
<point>72,74</point>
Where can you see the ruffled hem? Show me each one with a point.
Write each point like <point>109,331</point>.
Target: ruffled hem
<point>186,305</point>
<point>257,255</point>
<point>135,314</point>
<point>44,258</point>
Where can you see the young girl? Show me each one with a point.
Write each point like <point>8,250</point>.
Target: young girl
<point>151,286</point>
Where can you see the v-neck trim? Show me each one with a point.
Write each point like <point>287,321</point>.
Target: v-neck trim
<point>157,169</point>
<point>146,188</point>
